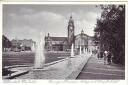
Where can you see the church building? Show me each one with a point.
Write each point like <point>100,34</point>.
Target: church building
<point>64,43</point>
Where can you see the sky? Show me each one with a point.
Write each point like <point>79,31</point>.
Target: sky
<point>27,21</point>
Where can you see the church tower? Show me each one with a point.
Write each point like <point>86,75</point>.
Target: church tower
<point>70,31</point>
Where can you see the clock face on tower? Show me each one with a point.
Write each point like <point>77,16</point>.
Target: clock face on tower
<point>71,31</point>
<point>71,28</point>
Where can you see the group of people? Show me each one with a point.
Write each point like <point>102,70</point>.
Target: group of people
<point>107,56</point>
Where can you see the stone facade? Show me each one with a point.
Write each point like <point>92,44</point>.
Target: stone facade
<point>81,40</point>
<point>64,43</point>
<point>55,43</point>
<point>22,45</point>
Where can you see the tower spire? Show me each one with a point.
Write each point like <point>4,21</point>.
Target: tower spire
<point>82,31</point>
<point>71,21</point>
<point>70,31</point>
<point>71,16</point>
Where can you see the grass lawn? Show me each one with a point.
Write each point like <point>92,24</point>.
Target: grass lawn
<point>27,58</point>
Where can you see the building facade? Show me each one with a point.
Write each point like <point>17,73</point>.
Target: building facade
<point>81,40</point>
<point>23,45</point>
<point>64,43</point>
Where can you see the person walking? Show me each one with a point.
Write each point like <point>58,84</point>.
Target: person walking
<point>105,54</point>
<point>109,57</point>
<point>98,55</point>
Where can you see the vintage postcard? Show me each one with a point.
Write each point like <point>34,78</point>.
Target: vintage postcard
<point>63,42</point>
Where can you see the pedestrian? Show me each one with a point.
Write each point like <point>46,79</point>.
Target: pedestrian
<point>105,54</point>
<point>109,57</point>
<point>98,55</point>
<point>101,54</point>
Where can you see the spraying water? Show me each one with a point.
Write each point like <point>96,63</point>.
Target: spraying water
<point>72,50</point>
<point>40,57</point>
<point>84,49</point>
<point>33,47</point>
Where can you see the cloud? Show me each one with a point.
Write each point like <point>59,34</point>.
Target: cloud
<point>26,11</point>
<point>86,22</point>
<point>33,24</point>
<point>28,22</point>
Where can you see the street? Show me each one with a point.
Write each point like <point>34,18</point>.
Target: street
<point>95,69</point>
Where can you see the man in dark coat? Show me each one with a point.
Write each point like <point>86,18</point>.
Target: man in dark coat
<point>109,57</point>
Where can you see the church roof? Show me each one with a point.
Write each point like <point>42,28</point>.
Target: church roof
<point>83,34</point>
<point>59,38</point>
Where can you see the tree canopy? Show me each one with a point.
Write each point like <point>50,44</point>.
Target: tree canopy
<point>110,31</point>
<point>6,43</point>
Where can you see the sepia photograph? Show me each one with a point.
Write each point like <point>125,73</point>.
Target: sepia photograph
<point>63,41</point>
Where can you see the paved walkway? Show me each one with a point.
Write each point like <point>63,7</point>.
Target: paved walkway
<point>61,70</point>
<point>95,69</point>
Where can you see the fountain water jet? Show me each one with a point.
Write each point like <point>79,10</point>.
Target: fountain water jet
<point>72,50</point>
<point>33,47</point>
<point>72,55</point>
<point>84,50</point>
<point>40,57</point>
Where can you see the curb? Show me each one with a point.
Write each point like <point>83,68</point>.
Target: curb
<point>47,64</point>
<point>16,75</point>
<point>75,73</point>
<point>19,73</point>
<point>55,62</point>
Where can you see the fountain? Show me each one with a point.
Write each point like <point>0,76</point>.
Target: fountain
<point>90,51</point>
<point>72,50</point>
<point>84,50</point>
<point>72,55</point>
<point>39,57</point>
<point>33,47</point>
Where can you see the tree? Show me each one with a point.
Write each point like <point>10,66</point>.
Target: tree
<point>111,30</point>
<point>5,42</point>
